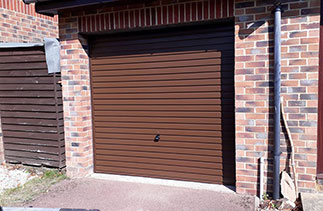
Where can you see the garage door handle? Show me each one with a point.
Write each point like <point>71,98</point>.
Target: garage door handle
<point>157,138</point>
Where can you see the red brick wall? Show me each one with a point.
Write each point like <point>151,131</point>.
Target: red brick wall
<point>20,23</point>
<point>253,78</point>
<point>157,13</point>
<point>254,89</point>
<point>20,7</point>
<point>76,100</point>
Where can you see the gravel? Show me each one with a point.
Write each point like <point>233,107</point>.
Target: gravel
<point>13,176</point>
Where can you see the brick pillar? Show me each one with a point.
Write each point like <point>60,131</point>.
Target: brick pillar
<point>254,90</point>
<point>76,99</point>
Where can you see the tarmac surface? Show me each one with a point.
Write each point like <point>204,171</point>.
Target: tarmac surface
<point>312,201</point>
<point>90,193</point>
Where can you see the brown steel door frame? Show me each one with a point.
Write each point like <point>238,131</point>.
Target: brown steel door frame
<point>90,44</point>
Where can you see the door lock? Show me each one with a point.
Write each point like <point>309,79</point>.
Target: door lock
<point>157,138</point>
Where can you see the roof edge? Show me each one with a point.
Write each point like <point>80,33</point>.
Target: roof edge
<point>34,1</point>
<point>52,7</point>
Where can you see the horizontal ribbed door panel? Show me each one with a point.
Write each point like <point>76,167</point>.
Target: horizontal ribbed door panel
<point>176,83</point>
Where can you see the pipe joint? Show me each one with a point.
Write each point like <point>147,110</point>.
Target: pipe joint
<point>278,7</point>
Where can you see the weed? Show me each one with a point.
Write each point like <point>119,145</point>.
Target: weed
<point>31,189</point>
<point>265,196</point>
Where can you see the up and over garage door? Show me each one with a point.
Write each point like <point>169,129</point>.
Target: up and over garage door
<point>163,103</point>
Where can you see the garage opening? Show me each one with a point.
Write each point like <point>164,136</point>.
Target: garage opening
<point>163,103</point>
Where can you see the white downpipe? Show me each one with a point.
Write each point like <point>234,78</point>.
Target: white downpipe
<point>261,188</point>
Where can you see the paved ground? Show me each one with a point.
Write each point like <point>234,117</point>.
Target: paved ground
<point>11,176</point>
<point>90,193</point>
<point>312,201</point>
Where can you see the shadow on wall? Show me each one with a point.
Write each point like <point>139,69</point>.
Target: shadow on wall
<point>244,33</point>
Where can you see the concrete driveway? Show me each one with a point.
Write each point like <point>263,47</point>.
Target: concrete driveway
<point>90,193</point>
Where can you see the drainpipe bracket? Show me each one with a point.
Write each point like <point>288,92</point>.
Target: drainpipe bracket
<point>278,6</point>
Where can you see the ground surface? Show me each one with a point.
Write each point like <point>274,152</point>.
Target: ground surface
<point>12,176</point>
<point>42,179</point>
<point>90,193</point>
<point>312,201</point>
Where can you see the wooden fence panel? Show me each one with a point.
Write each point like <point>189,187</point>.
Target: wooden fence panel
<point>31,109</point>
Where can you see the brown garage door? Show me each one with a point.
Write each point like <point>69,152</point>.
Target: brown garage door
<point>163,103</point>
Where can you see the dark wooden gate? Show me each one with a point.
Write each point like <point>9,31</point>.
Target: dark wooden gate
<point>31,108</point>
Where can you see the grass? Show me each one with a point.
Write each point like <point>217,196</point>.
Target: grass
<point>31,189</point>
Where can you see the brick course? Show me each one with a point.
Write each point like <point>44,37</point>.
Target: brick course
<point>20,23</point>
<point>253,78</point>
<point>20,7</point>
<point>160,13</point>
<point>24,25</point>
